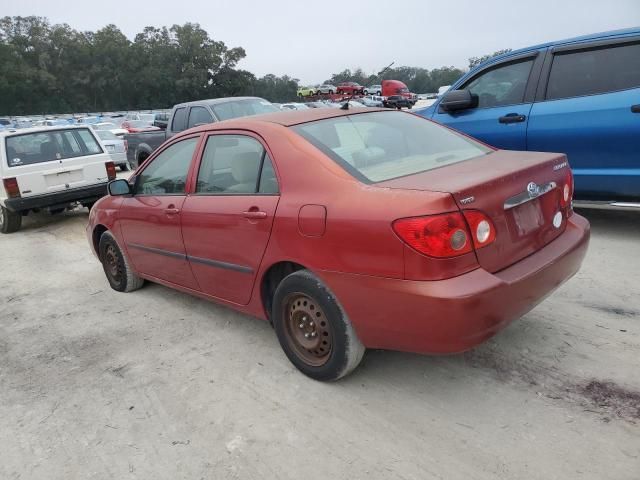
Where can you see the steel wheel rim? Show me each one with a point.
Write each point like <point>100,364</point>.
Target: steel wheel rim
<point>112,264</point>
<point>307,329</point>
<point>1,215</point>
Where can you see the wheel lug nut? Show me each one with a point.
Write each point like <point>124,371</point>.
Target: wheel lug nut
<point>306,335</point>
<point>301,325</point>
<point>311,324</point>
<point>313,334</point>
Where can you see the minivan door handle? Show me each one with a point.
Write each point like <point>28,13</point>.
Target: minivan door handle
<point>512,118</point>
<point>635,108</point>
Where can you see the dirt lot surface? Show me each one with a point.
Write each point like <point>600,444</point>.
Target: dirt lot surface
<point>159,385</point>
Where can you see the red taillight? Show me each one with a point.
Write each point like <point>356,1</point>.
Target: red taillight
<point>566,193</point>
<point>482,229</point>
<point>126,146</point>
<point>438,236</point>
<point>111,170</point>
<point>11,187</point>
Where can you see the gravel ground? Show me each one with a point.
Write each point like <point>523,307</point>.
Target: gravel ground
<point>159,385</point>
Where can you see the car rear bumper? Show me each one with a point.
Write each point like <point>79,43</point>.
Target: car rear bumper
<point>63,197</point>
<point>454,315</point>
<point>118,158</point>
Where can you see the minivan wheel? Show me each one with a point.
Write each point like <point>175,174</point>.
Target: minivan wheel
<point>119,273</point>
<point>313,329</point>
<point>9,221</point>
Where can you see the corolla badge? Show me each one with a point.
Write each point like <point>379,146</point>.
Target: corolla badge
<point>533,189</point>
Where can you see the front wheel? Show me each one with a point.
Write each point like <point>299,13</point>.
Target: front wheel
<point>10,222</point>
<point>313,329</point>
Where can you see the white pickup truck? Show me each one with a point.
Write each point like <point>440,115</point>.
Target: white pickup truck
<point>50,168</point>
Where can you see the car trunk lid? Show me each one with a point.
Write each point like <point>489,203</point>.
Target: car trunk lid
<point>519,191</point>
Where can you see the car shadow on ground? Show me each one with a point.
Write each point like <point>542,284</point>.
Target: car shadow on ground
<point>42,220</point>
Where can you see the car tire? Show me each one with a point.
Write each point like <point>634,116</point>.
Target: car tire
<point>313,329</point>
<point>330,92</point>
<point>10,222</point>
<point>379,93</point>
<point>125,167</point>
<point>116,266</point>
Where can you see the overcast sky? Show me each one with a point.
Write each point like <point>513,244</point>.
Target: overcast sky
<point>310,40</point>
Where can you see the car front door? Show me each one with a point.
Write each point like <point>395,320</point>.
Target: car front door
<point>226,222</point>
<point>150,218</point>
<point>505,94</point>
<point>589,108</point>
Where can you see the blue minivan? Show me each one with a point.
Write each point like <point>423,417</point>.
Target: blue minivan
<point>579,96</point>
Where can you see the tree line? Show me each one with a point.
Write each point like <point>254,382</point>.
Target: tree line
<point>56,69</point>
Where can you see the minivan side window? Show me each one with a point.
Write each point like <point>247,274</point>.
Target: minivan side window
<point>503,85</point>
<point>167,173</point>
<point>235,164</point>
<point>179,119</point>
<point>199,115</point>
<point>589,72</point>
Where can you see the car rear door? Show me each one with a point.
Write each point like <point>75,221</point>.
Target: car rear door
<point>505,94</point>
<point>226,222</point>
<point>589,108</point>
<point>50,161</point>
<point>150,218</point>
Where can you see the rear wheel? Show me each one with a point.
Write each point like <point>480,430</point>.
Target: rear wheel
<point>313,330</point>
<point>9,221</point>
<point>119,273</point>
<point>330,92</point>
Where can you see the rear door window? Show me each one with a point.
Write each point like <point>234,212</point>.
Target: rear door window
<point>503,85</point>
<point>179,119</point>
<point>41,147</point>
<point>589,72</point>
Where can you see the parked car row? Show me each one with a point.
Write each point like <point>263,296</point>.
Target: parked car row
<point>344,88</point>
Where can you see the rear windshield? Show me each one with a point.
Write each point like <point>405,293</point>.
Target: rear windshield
<point>40,147</point>
<point>243,108</point>
<point>379,146</point>
<point>106,135</point>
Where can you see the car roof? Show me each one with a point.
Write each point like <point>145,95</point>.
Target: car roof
<point>286,118</point>
<point>217,101</point>
<point>583,38</point>
<point>22,131</point>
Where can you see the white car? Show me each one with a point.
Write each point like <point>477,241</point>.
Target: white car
<point>373,90</point>
<point>326,88</point>
<point>50,168</point>
<point>116,148</point>
<point>293,106</point>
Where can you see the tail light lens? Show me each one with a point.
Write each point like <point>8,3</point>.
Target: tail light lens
<point>482,229</point>
<point>11,187</point>
<point>567,190</point>
<point>111,170</point>
<point>440,236</point>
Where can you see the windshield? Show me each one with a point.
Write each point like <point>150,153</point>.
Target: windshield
<point>242,108</point>
<point>379,146</point>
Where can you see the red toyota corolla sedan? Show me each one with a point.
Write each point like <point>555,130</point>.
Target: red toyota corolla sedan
<point>346,230</point>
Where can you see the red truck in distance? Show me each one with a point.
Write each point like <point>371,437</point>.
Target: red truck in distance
<point>350,88</point>
<point>397,95</point>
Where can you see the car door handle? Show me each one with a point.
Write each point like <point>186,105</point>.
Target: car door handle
<point>512,118</point>
<point>172,211</point>
<point>254,214</point>
<point>635,108</point>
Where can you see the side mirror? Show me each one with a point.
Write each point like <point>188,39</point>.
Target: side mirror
<point>119,187</point>
<point>458,100</point>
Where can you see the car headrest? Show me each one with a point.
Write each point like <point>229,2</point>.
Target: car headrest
<point>244,167</point>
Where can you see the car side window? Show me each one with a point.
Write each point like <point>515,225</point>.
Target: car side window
<point>199,115</point>
<point>167,173</point>
<point>589,72</point>
<point>232,164</point>
<point>179,119</point>
<point>503,85</point>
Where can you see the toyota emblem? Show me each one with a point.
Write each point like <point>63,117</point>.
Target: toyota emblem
<point>533,189</point>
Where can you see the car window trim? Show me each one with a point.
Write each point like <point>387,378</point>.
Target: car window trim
<point>543,83</point>
<point>156,154</point>
<point>534,74</point>
<point>265,151</point>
